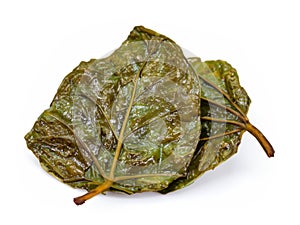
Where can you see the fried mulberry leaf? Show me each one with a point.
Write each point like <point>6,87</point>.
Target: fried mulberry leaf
<point>224,105</point>
<point>131,121</point>
<point>145,118</point>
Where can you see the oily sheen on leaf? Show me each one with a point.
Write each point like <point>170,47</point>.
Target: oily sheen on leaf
<point>134,118</point>
<point>221,131</point>
<point>144,118</point>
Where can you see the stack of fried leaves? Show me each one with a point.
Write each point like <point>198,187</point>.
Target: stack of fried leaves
<point>145,118</point>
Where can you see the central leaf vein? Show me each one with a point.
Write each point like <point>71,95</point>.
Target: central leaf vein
<point>124,125</point>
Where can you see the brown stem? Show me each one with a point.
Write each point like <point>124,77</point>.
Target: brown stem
<point>101,188</point>
<point>266,145</point>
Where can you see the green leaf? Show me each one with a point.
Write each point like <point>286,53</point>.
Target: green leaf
<point>132,119</point>
<point>224,105</point>
<point>145,118</point>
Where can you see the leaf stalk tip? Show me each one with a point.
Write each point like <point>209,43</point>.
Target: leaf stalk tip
<point>266,145</point>
<point>100,189</point>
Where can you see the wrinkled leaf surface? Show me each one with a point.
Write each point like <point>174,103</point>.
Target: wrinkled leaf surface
<point>219,139</point>
<point>132,118</point>
<point>145,118</point>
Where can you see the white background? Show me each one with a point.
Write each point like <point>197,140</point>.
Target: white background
<point>42,41</point>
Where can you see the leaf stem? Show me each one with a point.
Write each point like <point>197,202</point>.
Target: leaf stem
<point>100,189</point>
<point>109,181</point>
<point>266,145</point>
